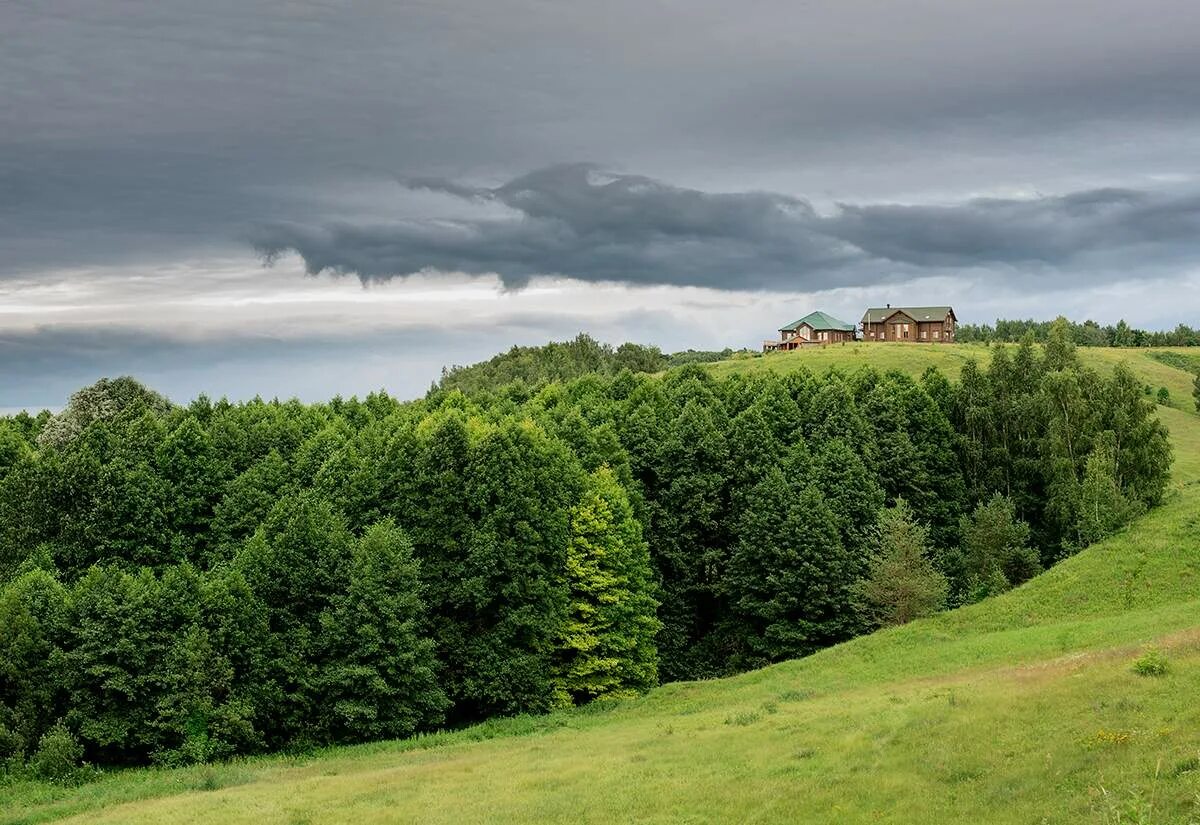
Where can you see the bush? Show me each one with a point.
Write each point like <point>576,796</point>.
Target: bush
<point>1151,663</point>
<point>1164,396</point>
<point>57,756</point>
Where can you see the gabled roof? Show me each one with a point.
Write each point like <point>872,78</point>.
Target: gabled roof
<point>819,320</point>
<point>876,315</point>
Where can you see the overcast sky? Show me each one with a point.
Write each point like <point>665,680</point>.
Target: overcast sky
<point>242,197</point>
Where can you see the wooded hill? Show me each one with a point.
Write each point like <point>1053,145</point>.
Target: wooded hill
<point>189,583</point>
<point>965,715</point>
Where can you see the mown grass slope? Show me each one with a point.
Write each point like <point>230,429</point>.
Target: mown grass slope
<point>1023,708</point>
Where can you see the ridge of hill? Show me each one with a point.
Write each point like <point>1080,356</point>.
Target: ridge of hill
<point>1022,708</point>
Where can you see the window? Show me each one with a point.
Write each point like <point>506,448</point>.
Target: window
<point>937,333</point>
<point>924,333</point>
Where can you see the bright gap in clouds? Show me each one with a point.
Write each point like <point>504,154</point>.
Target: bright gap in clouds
<point>235,329</point>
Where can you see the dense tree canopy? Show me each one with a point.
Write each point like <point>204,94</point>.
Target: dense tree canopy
<point>180,584</point>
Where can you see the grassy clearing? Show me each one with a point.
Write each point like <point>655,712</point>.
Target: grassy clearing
<point>1024,708</point>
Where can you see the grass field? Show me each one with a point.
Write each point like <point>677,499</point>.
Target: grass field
<point>1021,709</point>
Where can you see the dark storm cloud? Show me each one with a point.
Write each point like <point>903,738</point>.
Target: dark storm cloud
<point>578,221</point>
<point>134,129</point>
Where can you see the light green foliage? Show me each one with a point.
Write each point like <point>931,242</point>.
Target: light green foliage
<point>608,645</point>
<point>1103,507</point>
<point>236,607</point>
<point>903,584</point>
<point>57,756</point>
<point>1151,663</point>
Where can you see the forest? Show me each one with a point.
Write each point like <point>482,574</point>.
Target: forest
<point>565,360</point>
<point>1086,334</point>
<point>187,583</point>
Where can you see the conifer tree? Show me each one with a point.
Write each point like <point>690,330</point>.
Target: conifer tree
<point>996,551</point>
<point>903,583</point>
<point>690,537</point>
<point>608,644</point>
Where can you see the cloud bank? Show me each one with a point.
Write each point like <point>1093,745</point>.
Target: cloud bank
<point>578,221</point>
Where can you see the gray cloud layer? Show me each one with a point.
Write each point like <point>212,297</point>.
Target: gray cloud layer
<point>577,221</point>
<point>144,146</point>
<point>137,129</point>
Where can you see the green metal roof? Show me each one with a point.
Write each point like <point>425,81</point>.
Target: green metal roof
<point>819,320</point>
<point>874,315</point>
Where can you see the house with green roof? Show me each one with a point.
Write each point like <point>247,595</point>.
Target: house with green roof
<point>929,325</point>
<point>814,328</point>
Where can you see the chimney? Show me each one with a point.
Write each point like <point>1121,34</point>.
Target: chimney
<point>889,306</point>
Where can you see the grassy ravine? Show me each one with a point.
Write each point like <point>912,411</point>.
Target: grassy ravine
<point>1021,709</point>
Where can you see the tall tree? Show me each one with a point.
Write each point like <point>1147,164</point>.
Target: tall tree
<point>522,485</point>
<point>903,583</point>
<point>996,551</point>
<point>608,644</point>
<point>790,580</point>
<point>378,677</point>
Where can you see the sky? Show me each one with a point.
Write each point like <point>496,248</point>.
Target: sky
<point>306,199</point>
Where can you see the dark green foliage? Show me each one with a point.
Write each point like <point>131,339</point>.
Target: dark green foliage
<point>1196,391</point>
<point>1086,334</point>
<point>689,535</point>
<point>1164,396</point>
<point>33,619</point>
<point>379,676</point>
<point>533,366</point>
<point>514,594</point>
<point>180,585</point>
<point>247,501</point>
<point>790,579</point>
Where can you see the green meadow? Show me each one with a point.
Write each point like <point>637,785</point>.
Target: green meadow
<point>1024,708</point>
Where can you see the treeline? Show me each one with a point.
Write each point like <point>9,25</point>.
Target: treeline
<point>187,583</point>
<point>565,361</point>
<point>1086,334</point>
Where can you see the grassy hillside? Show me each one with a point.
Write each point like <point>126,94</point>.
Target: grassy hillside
<point>914,358</point>
<point>1023,708</point>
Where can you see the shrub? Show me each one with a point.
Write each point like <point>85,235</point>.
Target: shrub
<point>1164,396</point>
<point>57,756</point>
<point>743,719</point>
<point>1151,663</point>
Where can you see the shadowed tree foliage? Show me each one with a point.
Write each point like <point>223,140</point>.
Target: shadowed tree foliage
<point>790,579</point>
